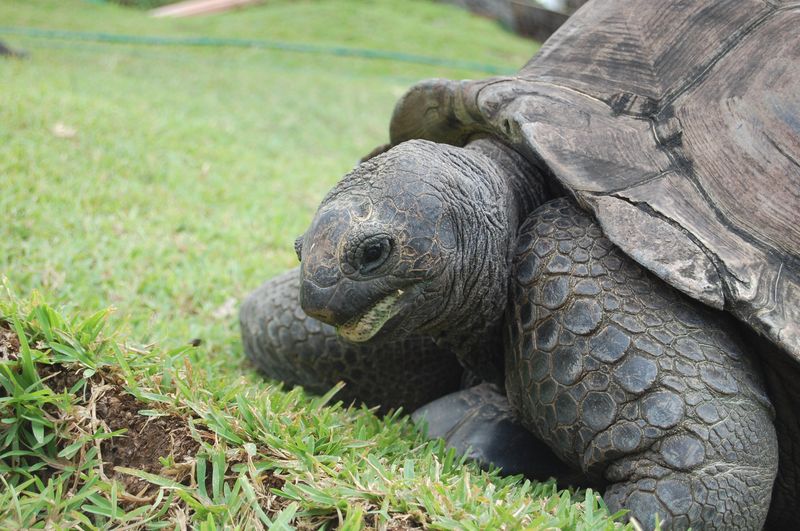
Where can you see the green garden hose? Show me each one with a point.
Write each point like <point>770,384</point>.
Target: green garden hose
<point>341,51</point>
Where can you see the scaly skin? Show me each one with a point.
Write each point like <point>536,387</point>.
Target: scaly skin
<point>635,383</point>
<point>444,213</point>
<point>289,346</point>
<point>629,382</point>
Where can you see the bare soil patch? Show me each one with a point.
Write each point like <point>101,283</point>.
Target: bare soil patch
<point>156,444</point>
<point>160,443</point>
<point>147,440</point>
<point>399,522</point>
<point>9,343</point>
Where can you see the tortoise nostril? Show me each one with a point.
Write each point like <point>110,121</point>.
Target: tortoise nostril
<point>315,302</point>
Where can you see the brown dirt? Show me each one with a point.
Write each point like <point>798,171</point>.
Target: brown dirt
<point>398,522</point>
<point>147,438</point>
<point>103,402</point>
<point>9,343</point>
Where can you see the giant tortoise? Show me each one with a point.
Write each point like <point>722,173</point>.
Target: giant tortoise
<point>609,240</point>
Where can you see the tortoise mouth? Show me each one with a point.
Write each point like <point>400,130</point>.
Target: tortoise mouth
<point>365,326</point>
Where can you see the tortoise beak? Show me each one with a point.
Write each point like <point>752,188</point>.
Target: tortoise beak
<point>320,281</point>
<point>316,302</point>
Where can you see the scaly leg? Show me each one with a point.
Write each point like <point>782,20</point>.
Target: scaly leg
<point>635,383</point>
<point>287,345</point>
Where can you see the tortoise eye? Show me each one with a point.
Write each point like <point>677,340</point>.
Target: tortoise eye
<point>373,253</point>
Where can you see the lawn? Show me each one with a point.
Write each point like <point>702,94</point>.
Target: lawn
<point>146,186</point>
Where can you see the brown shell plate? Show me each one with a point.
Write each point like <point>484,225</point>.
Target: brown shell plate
<point>678,124</point>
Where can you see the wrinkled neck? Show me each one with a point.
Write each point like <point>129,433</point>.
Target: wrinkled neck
<point>510,190</point>
<point>523,184</point>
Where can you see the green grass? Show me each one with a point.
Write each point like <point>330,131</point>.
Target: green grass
<point>166,182</point>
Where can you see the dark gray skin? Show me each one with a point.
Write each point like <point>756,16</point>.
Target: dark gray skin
<point>425,217</point>
<point>287,345</point>
<point>632,385</point>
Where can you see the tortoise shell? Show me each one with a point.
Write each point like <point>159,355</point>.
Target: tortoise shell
<point>677,123</point>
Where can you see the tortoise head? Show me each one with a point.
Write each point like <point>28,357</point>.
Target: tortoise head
<point>409,242</point>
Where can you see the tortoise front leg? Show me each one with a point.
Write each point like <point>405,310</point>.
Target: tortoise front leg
<point>630,380</point>
<point>289,346</point>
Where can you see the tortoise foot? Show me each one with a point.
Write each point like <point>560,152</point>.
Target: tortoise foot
<point>479,422</point>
